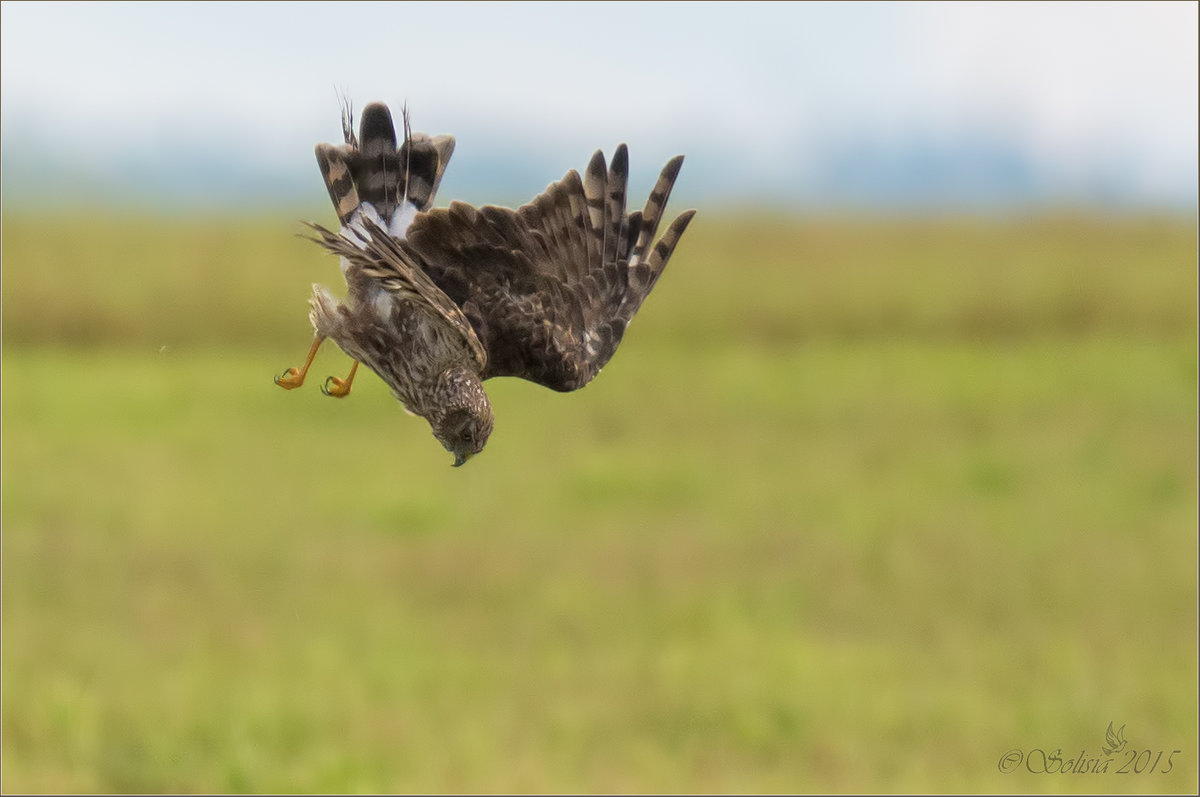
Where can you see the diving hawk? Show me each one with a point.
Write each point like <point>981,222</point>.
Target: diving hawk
<point>439,300</point>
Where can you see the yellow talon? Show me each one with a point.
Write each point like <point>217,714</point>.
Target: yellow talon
<point>290,379</point>
<point>293,378</point>
<point>340,387</point>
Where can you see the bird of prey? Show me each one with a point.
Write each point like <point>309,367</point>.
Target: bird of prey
<point>439,300</point>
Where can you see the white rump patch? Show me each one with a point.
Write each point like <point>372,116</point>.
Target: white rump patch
<point>368,210</point>
<point>402,217</point>
<point>355,232</point>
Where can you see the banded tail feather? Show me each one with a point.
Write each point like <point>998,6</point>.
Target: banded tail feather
<point>370,170</point>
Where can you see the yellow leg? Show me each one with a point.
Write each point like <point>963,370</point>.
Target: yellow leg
<point>291,378</point>
<point>340,387</point>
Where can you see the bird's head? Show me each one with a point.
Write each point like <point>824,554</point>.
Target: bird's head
<point>464,432</point>
<point>465,422</point>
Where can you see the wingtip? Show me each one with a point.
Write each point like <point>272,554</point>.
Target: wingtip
<point>676,230</point>
<point>597,166</point>
<point>573,180</point>
<point>673,166</point>
<point>680,225</point>
<point>620,160</point>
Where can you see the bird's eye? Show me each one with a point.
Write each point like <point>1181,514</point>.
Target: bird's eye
<point>465,435</point>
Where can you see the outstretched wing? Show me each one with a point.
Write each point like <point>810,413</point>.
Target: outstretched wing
<point>550,287</point>
<point>380,257</point>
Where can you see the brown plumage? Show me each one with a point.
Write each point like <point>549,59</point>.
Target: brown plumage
<point>441,299</point>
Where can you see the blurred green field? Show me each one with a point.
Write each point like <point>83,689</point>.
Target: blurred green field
<point>860,505</point>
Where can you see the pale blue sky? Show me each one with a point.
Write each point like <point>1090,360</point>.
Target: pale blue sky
<point>790,100</point>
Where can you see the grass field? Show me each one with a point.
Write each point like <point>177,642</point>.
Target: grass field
<point>860,505</point>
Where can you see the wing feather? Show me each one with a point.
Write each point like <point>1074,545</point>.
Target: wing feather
<point>614,212</point>
<point>655,204</point>
<point>382,258</point>
<point>551,286</point>
<point>595,186</point>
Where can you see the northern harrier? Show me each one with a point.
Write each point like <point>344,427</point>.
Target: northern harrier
<point>439,300</point>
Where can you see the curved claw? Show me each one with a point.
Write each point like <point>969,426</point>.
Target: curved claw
<point>340,388</point>
<point>289,379</point>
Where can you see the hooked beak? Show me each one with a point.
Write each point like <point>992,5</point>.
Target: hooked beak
<point>460,459</point>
